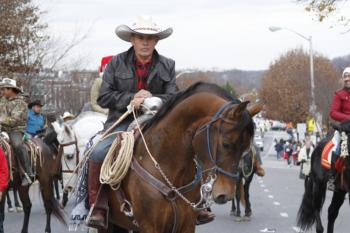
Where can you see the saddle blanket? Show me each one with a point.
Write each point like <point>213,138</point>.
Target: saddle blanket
<point>329,150</point>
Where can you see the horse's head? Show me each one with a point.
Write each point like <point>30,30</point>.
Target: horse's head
<point>65,134</point>
<point>221,143</point>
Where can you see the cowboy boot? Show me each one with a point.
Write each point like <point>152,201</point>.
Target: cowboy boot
<point>28,175</point>
<point>258,169</point>
<point>97,216</point>
<point>204,216</point>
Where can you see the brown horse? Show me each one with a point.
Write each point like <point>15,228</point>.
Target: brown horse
<point>46,168</point>
<point>203,123</point>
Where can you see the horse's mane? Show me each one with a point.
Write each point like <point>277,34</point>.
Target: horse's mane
<point>50,139</point>
<point>182,95</point>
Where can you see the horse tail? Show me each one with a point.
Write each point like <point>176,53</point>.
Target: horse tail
<point>307,215</point>
<point>315,192</point>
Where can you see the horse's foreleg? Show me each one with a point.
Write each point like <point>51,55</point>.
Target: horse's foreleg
<point>27,205</point>
<point>233,206</point>
<point>47,195</point>
<point>238,199</point>
<point>57,189</point>
<point>333,210</point>
<point>248,209</point>
<point>9,202</point>
<point>15,197</point>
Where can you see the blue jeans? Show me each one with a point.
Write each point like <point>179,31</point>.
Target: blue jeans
<point>100,151</point>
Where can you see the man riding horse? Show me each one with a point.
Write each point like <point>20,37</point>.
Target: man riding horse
<point>131,76</point>
<point>13,121</point>
<point>340,111</point>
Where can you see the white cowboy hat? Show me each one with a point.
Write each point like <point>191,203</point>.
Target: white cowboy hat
<point>10,83</point>
<point>346,70</point>
<point>144,25</point>
<point>67,115</point>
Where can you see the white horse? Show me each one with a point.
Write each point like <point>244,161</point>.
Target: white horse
<point>79,130</point>
<point>84,126</point>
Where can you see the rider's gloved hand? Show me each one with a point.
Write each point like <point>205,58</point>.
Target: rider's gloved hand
<point>143,94</point>
<point>137,102</point>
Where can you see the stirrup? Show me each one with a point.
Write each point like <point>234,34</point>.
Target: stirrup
<point>90,223</point>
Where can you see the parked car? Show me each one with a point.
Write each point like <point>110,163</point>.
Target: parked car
<point>277,125</point>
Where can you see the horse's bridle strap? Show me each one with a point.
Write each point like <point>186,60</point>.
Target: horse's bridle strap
<point>206,128</point>
<point>160,186</point>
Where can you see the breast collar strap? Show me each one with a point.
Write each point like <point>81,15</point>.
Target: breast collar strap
<point>206,128</point>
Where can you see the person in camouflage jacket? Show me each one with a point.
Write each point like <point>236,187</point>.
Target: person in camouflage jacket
<point>13,120</point>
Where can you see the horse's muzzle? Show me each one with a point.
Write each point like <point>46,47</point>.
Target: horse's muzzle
<point>222,199</point>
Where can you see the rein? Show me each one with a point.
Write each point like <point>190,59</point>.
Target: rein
<point>61,146</point>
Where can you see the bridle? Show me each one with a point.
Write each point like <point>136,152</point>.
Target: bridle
<point>213,158</point>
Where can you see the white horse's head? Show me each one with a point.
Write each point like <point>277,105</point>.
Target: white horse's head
<point>65,133</point>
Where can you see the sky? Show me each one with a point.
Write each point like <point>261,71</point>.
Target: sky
<point>208,34</point>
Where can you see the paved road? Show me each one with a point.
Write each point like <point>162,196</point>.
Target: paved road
<point>275,201</point>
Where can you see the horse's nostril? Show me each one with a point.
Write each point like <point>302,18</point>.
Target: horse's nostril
<point>221,199</point>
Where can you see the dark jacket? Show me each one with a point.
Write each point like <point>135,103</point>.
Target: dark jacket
<point>340,107</point>
<point>119,83</point>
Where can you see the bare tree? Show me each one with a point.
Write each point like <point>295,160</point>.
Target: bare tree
<point>22,36</point>
<point>285,88</point>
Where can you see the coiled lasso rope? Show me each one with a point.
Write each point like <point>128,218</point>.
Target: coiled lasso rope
<point>115,167</point>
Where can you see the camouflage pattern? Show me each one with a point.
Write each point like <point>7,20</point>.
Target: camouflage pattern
<point>13,114</point>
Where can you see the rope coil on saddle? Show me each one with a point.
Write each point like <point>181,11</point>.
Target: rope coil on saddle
<point>115,167</point>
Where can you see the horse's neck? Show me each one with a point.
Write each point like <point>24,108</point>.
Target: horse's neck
<point>170,140</point>
<point>51,140</point>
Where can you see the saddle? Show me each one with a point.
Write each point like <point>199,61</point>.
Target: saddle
<point>336,149</point>
<point>13,162</point>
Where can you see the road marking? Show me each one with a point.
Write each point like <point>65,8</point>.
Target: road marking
<point>276,203</point>
<point>284,215</point>
<point>270,196</point>
<point>260,181</point>
<point>268,230</point>
<point>262,186</point>
<point>266,190</point>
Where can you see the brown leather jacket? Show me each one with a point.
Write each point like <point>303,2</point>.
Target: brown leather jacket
<point>119,83</point>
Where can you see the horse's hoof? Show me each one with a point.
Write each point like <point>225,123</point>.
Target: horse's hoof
<point>19,209</point>
<point>238,219</point>
<point>10,210</point>
<point>248,214</point>
<point>247,218</point>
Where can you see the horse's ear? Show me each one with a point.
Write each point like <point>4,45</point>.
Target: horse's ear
<point>255,109</point>
<point>237,111</point>
<point>60,121</point>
